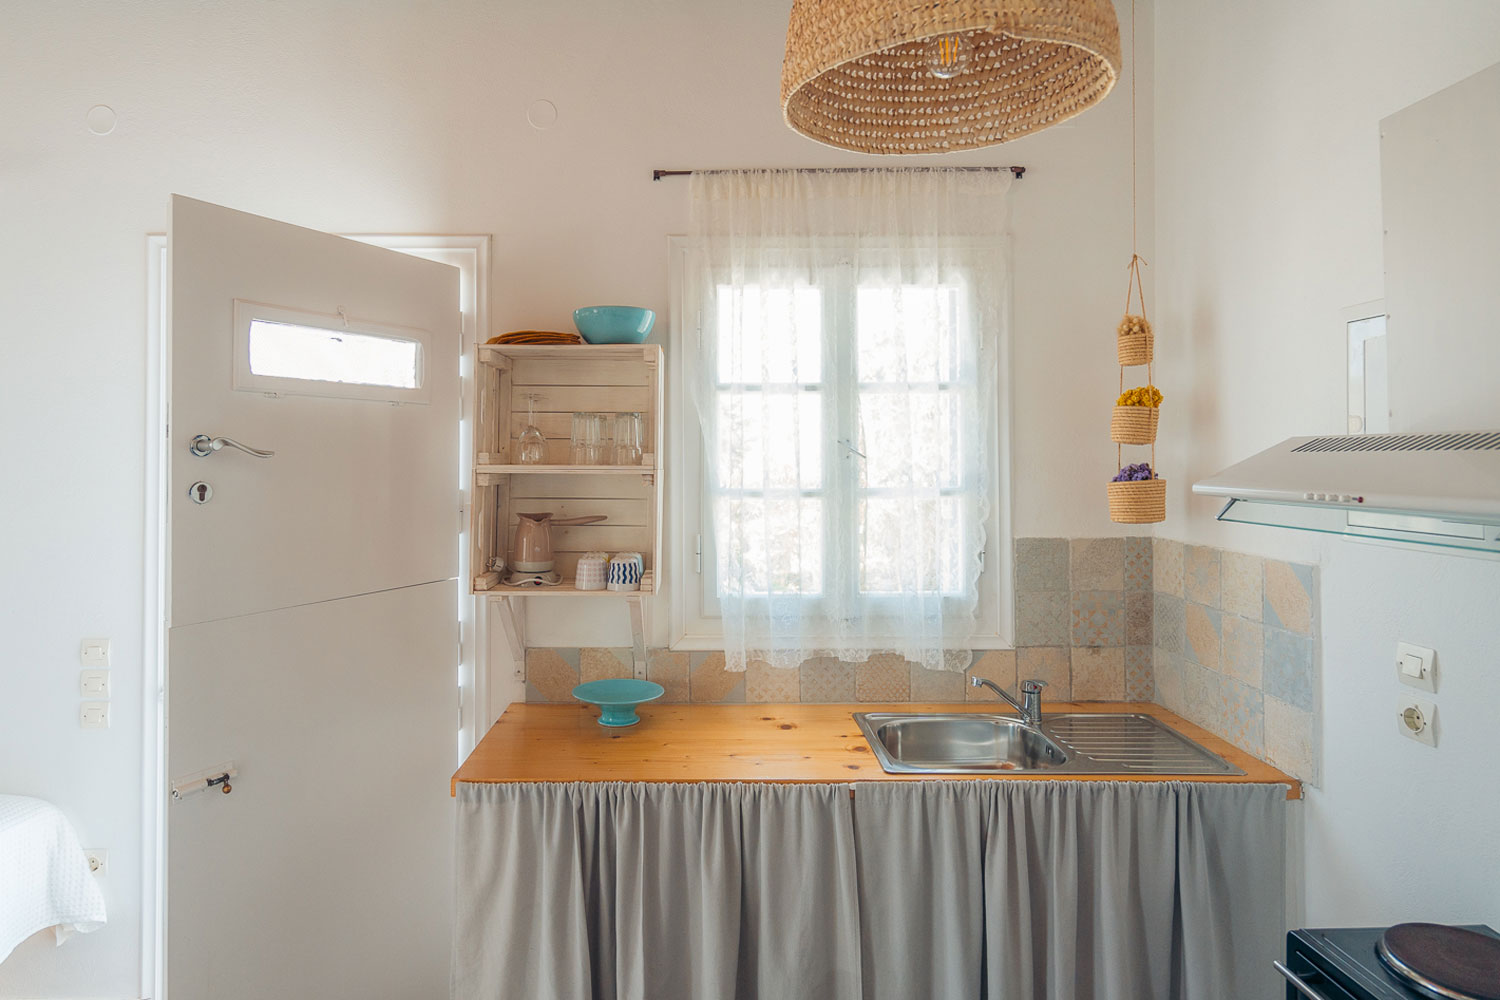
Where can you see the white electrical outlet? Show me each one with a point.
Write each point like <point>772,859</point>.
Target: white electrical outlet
<point>94,715</point>
<point>94,653</point>
<point>1417,719</point>
<point>98,860</point>
<point>1416,666</point>
<point>93,683</point>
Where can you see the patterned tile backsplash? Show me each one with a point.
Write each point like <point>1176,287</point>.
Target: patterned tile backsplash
<point>1236,650</point>
<point>1226,640</point>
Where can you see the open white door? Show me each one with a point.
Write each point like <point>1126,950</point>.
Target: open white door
<point>312,612</point>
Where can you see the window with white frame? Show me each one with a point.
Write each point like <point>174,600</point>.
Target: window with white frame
<point>847,405</point>
<point>279,349</point>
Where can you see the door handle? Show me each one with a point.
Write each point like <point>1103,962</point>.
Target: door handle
<point>204,446</point>
<point>1298,983</point>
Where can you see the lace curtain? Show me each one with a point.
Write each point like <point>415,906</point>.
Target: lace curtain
<point>848,325</point>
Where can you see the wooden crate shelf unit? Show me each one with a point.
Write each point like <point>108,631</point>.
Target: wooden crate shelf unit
<point>565,379</point>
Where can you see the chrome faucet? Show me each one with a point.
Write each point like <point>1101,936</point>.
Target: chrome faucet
<point>1030,705</point>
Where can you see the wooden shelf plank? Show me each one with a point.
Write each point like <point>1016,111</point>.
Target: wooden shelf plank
<point>571,470</point>
<point>564,589</point>
<point>496,354</point>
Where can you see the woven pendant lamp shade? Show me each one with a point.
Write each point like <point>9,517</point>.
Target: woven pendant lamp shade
<point>857,73</point>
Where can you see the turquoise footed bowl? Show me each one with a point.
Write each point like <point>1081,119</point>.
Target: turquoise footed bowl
<point>617,698</point>
<point>614,324</point>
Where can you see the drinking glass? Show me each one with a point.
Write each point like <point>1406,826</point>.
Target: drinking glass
<point>627,450</point>
<point>596,440</point>
<point>531,446</point>
<point>588,439</point>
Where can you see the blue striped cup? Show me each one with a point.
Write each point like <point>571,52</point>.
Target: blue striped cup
<point>625,571</point>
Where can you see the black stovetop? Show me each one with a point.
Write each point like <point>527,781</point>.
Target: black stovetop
<point>1351,952</point>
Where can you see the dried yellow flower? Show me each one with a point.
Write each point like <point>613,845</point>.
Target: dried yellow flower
<point>1145,395</point>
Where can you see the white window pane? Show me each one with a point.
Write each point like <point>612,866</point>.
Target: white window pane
<point>770,546</point>
<point>910,438</point>
<point>770,439</point>
<point>911,545</point>
<point>769,334</point>
<point>908,333</point>
<point>286,350</point>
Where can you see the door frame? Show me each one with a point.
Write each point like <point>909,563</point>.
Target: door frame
<point>471,254</point>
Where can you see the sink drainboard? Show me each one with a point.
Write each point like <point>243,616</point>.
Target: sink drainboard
<point>1133,744</point>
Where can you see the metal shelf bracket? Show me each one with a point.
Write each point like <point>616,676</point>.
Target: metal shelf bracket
<point>637,635</point>
<point>511,614</point>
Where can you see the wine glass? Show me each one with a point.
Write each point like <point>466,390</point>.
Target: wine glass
<point>531,446</point>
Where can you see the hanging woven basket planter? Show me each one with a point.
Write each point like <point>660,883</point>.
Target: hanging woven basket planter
<point>1134,341</point>
<point>1142,502</point>
<point>933,76</point>
<point>1134,424</point>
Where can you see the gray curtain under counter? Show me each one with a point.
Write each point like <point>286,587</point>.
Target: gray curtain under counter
<point>643,890</point>
<point>1061,890</point>
<point>1009,890</point>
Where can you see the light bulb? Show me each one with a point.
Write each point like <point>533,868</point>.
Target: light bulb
<point>948,55</point>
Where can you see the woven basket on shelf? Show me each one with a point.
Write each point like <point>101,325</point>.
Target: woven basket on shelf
<point>1141,502</point>
<point>1134,348</point>
<point>857,75</point>
<point>1134,424</point>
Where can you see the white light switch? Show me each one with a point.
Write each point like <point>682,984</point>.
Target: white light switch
<point>94,653</point>
<point>94,683</point>
<point>94,715</point>
<point>1415,666</point>
<point>1417,720</point>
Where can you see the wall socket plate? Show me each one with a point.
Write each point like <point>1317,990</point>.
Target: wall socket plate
<point>94,653</point>
<point>94,684</point>
<point>94,715</point>
<point>98,860</point>
<point>1416,666</point>
<point>1416,719</point>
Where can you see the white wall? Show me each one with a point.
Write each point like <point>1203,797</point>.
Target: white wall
<point>403,117</point>
<point>1439,160</point>
<point>1268,225</point>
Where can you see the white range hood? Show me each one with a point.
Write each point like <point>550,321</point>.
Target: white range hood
<point>1431,489</point>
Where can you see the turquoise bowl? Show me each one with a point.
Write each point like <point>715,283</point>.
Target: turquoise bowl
<point>614,324</point>
<point>617,698</point>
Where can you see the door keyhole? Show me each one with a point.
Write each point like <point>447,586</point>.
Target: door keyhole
<point>200,492</point>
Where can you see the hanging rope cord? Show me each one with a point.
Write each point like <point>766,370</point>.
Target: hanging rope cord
<point>1136,283</point>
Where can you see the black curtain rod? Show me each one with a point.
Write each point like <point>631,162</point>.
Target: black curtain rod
<point>1016,172</point>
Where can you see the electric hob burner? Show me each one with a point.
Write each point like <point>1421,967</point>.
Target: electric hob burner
<point>1448,963</point>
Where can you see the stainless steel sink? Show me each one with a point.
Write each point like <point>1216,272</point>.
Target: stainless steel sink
<point>1066,743</point>
<point>958,743</point>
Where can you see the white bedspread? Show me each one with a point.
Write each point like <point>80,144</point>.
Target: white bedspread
<point>44,875</point>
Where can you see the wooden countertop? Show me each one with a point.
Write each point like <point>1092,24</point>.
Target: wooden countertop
<point>791,742</point>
